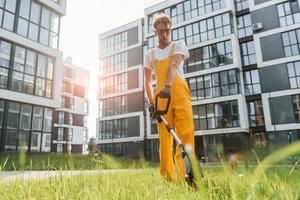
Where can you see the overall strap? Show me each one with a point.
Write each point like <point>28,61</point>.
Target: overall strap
<point>153,56</point>
<point>172,49</point>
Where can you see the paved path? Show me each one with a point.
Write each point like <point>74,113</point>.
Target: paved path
<point>8,176</point>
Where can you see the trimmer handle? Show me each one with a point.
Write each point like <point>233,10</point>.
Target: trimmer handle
<point>162,112</point>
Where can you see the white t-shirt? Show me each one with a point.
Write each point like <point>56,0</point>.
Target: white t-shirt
<point>161,54</point>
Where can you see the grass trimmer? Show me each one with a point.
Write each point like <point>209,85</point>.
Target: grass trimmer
<point>189,177</point>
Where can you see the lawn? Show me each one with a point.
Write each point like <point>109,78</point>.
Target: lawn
<point>17,162</point>
<point>142,181</point>
<point>218,183</point>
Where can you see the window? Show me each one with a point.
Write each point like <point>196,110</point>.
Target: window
<point>33,20</point>
<point>252,82</point>
<point>241,5</point>
<point>188,10</point>
<point>2,103</point>
<point>294,74</point>
<point>244,26</point>
<point>23,140</point>
<point>59,148</point>
<point>46,142</point>
<point>60,134</point>
<point>13,115</point>
<point>114,106</point>
<point>115,42</point>
<point>248,53</point>
<point>114,84</point>
<point>5,49</point>
<point>24,74</point>
<point>291,42</point>
<point>25,120</point>
<point>204,30</point>
<point>296,104</point>
<point>35,142</point>
<point>11,140</point>
<point>37,120</point>
<point>70,135</point>
<point>255,113</point>
<point>47,126</point>
<point>117,128</point>
<point>207,57</point>
<point>213,116</point>
<point>115,63</point>
<point>288,13</point>
<point>214,85</point>
<point>7,14</point>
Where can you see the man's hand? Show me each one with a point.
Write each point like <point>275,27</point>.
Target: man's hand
<point>152,111</point>
<point>166,92</point>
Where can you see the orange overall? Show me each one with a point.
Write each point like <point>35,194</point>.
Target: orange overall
<point>179,116</point>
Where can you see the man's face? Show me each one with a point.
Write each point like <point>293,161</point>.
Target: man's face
<point>163,32</point>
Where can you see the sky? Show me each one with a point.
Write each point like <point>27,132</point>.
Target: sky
<point>80,27</point>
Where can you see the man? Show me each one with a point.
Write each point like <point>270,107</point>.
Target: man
<point>166,60</point>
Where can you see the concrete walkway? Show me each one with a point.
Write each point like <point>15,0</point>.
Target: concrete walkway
<point>8,176</point>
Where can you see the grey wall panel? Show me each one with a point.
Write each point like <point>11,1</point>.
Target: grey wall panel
<point>133,36</point>
<point>274,78</point>
<point>135,56</point>
<point>133,126</point>
<point>269,22</point>
<point>135,102</point>
<point>272,47</point>
<point>282,111</point>
<point>260,1</point>
<point>133,79</point>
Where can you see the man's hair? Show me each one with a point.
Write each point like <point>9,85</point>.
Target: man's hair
<point>161,18</point>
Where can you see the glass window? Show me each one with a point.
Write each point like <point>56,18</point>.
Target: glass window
<point>248,53</point>
<point>241,5</point>
<point>54,23</point>
<point>45,18</point>
<point>46,142</point>
<point>50,69</point>
<point>244,25</point>
<point>11,140</point>
<point>19,59</point>
<point>47,126</point>
<point>37,121</point>
<point>288,13</point>
<point>2,104</point>
<point>294,74</point>
<point>25,120</point>
<point>40,86</point>
<point>8,21</point>
<point>35,142</point>
<point>44,36</point>
<point>11,5</point>
<point>33,32</point>
<point>5,48</point>
<point>252,82</point>
<point>35,12</point>
<point>17,82</point>
<point>41,66</point>
<point>13,115</point>
<point>255,113</point>
<point>30,62</point>
<point>24,8</point>
<point>291,42</point>
<point>22,27</point>
<point>23,140</point>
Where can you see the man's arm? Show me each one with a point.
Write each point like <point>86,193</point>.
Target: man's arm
<point>148,85</point>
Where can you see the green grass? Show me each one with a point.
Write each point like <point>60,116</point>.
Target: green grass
<point>16,162</point>
<point>147,184</point>
<point>221,182</point>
